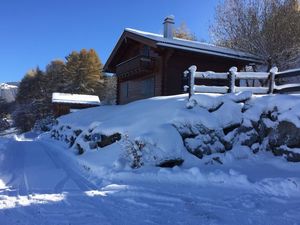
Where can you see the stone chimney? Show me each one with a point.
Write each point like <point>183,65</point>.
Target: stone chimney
<point>168,26</point>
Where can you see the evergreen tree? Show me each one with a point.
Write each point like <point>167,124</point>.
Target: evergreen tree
<point>56,80</point>
<point>24,91</point>
<point>32,100</point>
<point>84,70</point>
<point>3,108</point>
<point>94,78</point>
<point>81,74</point>
<point>71,73</point>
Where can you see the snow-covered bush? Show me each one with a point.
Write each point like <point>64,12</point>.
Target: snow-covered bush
<point>133,152</point>
<point>4,124</point>
<point>46,124</point>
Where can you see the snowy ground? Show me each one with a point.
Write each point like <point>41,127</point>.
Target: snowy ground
<point>43,182</point>
<point>40,184</point>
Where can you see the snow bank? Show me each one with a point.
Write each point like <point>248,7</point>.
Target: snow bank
<point>152,131</point>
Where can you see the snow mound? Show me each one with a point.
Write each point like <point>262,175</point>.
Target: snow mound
<point>160,130</point>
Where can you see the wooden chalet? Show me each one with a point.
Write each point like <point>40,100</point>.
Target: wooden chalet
<point>64,103</point>
<point>148,64</point>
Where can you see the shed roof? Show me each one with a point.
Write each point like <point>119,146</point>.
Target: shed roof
<point>75,99</point>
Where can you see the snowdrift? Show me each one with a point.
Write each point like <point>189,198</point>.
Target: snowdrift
<point>163,131</point>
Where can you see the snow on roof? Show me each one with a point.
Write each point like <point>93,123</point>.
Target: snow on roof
<point>196,46</point>
<point>7,86</point>
<point>75,99</point>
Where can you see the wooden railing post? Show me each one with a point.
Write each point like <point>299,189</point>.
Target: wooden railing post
<point>232,74</point>
<point>192,72</point>
<point>273,72</point>
<point>186,81</point>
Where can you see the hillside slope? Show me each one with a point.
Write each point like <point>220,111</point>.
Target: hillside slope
<point>166,128</point>
<point>45,181</point>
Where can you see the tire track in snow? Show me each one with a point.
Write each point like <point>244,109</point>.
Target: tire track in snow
<point>71,174</point>
<point>68,211</point>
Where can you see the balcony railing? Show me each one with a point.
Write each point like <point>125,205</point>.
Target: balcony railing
<point>137,65</point>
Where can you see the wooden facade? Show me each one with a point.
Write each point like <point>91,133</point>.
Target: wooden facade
<point>144,68</point>
<point>60,109</point>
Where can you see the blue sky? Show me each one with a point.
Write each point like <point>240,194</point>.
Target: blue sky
<point>34,32</point>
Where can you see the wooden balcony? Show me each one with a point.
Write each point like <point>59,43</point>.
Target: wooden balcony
<point>136,66</point>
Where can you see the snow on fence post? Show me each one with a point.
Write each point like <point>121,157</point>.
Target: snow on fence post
<point>232,74</point>
<point>273,72</point>
<point>186,80</point>
<point>192,72</point>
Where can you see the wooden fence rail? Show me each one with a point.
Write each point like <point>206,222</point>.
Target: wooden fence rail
<point>232,75</point>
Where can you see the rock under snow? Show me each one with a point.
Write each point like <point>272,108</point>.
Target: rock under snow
<point>163,129</point>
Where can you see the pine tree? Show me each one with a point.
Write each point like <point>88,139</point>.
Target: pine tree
<point>71,73</point>
<point>3,107</point>
<point>24,91</point>
<point>55,76</point>
<point>32,100</point>
<point>95,71</point>
<point>84,72</point>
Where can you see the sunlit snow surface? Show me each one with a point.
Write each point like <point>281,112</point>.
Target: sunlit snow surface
<point>43,182</point>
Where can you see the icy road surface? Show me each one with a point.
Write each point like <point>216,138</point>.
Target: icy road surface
<point>40,184</point>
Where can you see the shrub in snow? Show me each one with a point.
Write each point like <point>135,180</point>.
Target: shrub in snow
<point>133,152</point>
<point>45,124</point>
<point>24,118</point>
<point>140,152</point>
<point>4,124</point>
<point>65,134</point>
<point>80,149</point>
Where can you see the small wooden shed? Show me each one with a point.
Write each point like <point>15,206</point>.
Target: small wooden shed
<point>64,103</point>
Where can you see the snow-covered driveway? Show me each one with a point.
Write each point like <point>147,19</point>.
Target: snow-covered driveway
<point>40,184</point>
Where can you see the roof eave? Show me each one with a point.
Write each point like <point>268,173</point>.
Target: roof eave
<point>231,56</point>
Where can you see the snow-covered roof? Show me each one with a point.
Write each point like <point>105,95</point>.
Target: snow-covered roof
<point>7,86</point>
<point>8,92</point>
<point>195,46</point>
<point>75,99</point>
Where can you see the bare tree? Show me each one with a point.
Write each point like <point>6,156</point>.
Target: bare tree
<point>268,28</point>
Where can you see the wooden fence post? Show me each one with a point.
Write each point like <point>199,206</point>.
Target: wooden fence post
<point>273,72</point>
<point>192,72</point>
<point>186,81</point>
<point>232,74</point>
